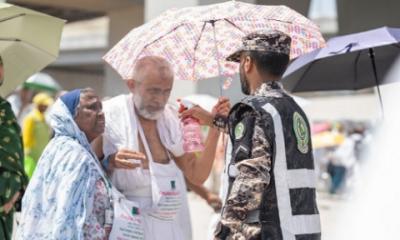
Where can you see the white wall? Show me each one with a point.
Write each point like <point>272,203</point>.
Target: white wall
<point>154,8</point>
<point>120,23</point>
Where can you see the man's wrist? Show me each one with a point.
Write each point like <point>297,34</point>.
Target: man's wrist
<point>209,195</point>
<point>214,131</point>
<point>219,122</point>
<point>210,120</point>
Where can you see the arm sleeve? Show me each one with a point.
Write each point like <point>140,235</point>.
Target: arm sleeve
<point>248,187</point>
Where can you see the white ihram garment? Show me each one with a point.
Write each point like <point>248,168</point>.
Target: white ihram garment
<point>145,185</point>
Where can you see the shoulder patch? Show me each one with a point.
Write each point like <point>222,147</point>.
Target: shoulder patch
<point>240,129</point>
<point>301,131</point>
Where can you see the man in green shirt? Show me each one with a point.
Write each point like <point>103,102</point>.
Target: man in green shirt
<point>13,180</point>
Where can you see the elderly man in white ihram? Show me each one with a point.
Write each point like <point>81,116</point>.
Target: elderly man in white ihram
<point>142,126</point>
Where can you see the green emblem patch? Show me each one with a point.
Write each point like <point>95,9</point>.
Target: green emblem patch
<point>301,131</point>
<point>239,131</point>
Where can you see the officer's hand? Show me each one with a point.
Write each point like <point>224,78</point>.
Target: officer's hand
<point>222,108</point>
<point>214,201</point>
<point>127,159</point>
<point>204,117</point>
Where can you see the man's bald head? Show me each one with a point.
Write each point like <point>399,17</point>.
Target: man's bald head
<point>151,86</point>
<point>153,65</point>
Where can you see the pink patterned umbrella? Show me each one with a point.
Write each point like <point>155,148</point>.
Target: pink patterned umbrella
<point>196,40</point>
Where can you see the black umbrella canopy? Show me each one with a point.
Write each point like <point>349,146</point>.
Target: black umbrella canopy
<point>345,63</point>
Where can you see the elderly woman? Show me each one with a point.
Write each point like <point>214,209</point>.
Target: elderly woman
<point>69,195</point>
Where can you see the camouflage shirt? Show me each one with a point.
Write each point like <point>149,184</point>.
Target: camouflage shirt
<point>252,179</point>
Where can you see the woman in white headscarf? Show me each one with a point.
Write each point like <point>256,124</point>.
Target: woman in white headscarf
<point>68,195</point>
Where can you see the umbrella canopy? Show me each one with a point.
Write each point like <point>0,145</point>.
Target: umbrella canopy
<point>345,63</point>
<point>196,40</point>
<point>42,81</point>
<point>29,41</point>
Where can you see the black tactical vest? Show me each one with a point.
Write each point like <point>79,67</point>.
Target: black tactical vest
<point>288,210</point>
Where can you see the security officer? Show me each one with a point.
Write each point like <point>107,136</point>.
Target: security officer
<point>271,193</point>
<point>271,179</point>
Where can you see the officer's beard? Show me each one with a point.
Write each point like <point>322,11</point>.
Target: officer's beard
<point>244,83</point>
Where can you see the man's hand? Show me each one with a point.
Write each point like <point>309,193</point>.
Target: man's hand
<point>214,201</point>
<point>127,159</point>
<point>222,107</point>
<point>205,118</point>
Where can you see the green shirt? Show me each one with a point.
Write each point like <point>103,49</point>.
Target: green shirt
<point>12,175</point>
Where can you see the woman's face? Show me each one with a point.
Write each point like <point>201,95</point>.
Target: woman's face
<point>89,115</point>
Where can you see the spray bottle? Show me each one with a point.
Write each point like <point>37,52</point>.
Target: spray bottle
<point>192,137</point>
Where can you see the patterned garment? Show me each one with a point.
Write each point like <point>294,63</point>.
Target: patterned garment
<point>253,177</point>
<point>12,176</point>
<point>94,227</point>
<point>64,199</point>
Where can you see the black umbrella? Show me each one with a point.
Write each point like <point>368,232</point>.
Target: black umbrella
<point>349,62</point>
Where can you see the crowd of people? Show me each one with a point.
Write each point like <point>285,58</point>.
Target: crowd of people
<point>117,169</point>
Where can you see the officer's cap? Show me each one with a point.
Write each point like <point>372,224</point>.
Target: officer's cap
<point>271,41</point>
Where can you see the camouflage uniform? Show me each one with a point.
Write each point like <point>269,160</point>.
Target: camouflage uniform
<point>271,161</point>
<point>253,178</point>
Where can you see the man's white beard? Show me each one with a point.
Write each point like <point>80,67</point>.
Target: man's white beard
<point>142,111</point>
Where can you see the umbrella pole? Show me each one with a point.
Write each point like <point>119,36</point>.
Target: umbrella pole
<point>372,57</point>
<point>217,56</point>
<point>219,67</point>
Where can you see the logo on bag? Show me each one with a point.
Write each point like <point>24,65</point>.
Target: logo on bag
<point>173,185</point>
<point>135,211</point>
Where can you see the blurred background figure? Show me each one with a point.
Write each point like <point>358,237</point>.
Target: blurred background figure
<point>338,147</point>
<point>340,161</point>
<point>21,98</point>
<point>36,132</point>
<point>21,102</point>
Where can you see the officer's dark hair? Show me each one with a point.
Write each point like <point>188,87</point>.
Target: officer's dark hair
<point>269,62</point>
